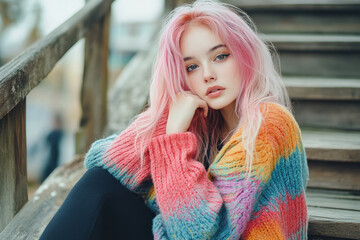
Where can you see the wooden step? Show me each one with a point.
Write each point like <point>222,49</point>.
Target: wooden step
<point>331,145</point>
<point>323,102</point>
<point>313,42</point>
<point>333,214</point>
<point>333,158</point>
<point>321,16</point>
<point>31,220</point>
<point>327,113</point>
<point>301,4</point>
<point>316,88</point>
<point>332,56</point>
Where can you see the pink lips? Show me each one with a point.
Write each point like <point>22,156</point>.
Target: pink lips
<point>214,91</point>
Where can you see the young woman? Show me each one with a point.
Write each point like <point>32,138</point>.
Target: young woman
<point>217,155</point>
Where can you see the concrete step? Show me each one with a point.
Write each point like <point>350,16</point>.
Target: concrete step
<point>333,158</point>
<point>334,214</point>
<point>316,88</point>
<point>330,56</point>
<point>285,16</point>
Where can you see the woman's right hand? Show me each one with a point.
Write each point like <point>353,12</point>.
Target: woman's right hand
<point>182,111</point>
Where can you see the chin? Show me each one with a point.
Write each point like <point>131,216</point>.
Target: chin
<point>216,106</point>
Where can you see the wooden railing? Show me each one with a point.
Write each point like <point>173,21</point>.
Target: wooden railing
<point>26,71</point>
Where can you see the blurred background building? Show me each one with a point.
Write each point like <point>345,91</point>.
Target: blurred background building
<point>22,22</point>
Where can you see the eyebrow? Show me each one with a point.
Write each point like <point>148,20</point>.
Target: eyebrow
<point>211,50</point>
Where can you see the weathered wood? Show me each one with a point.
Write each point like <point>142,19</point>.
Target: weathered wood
<point>169,5</point>
<point>312,88</point>
<point>31,221</point>
<point>283,21</point>
<point>332,145</point>
<point>129,94</point>
<point>295,5</point>
<point>334,175</point>
<point>320,64</point>
<point>13,174</point>
<point>312,55</point>
<point>333,213</point>
<point>303,16</point>
<point>327,114</point>
<point>333,199</point>
<point>27,70</point>
<point>94,85</point>
<point>314,42</point>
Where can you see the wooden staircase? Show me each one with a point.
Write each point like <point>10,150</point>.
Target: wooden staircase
<point>319,49</point>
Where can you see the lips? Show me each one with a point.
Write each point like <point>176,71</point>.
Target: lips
<point>213,89</point>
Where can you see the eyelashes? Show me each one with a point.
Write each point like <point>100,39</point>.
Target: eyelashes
<point>218,58</point>
<point>191,68</point>
<point>222,57</point>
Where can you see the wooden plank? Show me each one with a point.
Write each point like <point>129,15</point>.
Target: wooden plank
<point>331,145</point>
<point>31,221</point>
<point>331,114</point>
<point>333,199</point>
<point>129,94</point>
<point>333,64</point>
<point>335,194</point>
<point>313,42</point>
<point>296,4</point>
<point>334,223</point>
<point>334,175</point>
<point>312,88</point>
<point>27,70</point>
<point>333,213</point>
<point>13,174</point>
<point>94,85</point>
<point>279,21</point>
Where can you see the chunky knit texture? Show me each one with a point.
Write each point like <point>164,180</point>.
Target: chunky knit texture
<point>221,203</point>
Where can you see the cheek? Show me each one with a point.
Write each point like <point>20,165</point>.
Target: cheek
<point>195,84</point>
<point>234,74</point>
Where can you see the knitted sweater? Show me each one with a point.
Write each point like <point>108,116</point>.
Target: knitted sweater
<point>192,203</point>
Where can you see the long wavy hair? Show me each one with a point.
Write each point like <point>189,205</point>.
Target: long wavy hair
<point>260,81</point>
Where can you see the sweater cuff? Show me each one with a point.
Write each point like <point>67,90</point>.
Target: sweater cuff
<point>173,150</point>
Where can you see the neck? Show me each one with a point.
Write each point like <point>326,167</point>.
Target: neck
<point>231,121</point>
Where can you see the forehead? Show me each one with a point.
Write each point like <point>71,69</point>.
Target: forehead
<point>197,39</point>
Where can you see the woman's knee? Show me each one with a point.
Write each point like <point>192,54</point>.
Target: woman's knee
<point>95,184</point>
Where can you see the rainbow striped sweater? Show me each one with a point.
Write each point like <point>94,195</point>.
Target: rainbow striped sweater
<point>220,203</point>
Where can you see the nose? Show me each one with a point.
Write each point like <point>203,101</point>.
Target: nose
<point>209,73</point>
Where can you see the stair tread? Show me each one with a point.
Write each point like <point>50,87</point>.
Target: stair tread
<point>333,199</point>
<point>331,145</point>
<point>318,82</point>
<point>333,213</point>
<point>331,139</point>
<point>322,88</point>
<point>285,4</point>
<point>313,42</point>
<point>323,38</point>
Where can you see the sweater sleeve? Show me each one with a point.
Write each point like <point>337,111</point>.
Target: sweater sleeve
<point>119,155</point>
<point>218,206</point>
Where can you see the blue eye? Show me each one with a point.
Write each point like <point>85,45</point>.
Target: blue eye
<point>191,68</point>
<point>221,57</point>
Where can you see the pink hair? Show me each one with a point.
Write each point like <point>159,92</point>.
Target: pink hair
<point>260,82</point>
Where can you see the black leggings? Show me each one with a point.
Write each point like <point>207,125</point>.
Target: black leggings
<point>100,207</point>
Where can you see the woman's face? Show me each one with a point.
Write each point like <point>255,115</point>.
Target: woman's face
<point>212,70</point>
